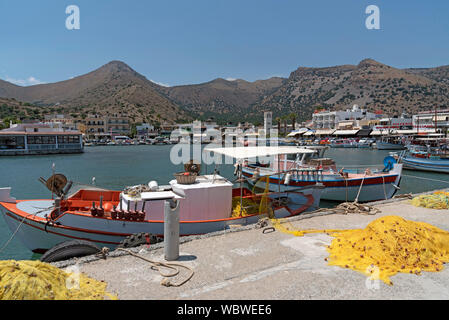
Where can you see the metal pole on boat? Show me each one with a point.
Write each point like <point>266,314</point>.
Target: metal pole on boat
<point>241,189</point>
<point>279,173</point>
<point>171,230</point>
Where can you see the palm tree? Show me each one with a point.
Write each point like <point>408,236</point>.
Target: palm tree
<point>285,119</point>
<point>292,117</point>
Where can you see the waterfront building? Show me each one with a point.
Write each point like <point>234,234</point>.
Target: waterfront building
<point>38,139</point>
<point>431,120</point>
<point>97,127</point>
<point>404,122</point>
<point>63,121</point>
<point>145,131</point>
<point>117,125</point>
<point>331,119</point>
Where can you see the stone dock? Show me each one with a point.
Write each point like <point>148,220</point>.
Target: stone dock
<point>245,263</point>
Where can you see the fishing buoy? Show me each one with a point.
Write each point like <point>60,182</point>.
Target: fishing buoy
<point>108,207</point>
<point>153,185</point>
<point>288,177</point>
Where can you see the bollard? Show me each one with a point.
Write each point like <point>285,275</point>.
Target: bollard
<point>171,230</point>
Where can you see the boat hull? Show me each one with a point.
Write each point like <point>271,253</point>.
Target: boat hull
<point>423,164</point>
<point>373,187</point>
<point>389,146</point>
<point>39,236</point>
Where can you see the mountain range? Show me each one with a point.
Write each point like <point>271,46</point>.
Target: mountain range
<point>115,88</point>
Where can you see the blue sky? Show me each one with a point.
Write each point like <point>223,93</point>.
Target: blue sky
<point>182,42</point>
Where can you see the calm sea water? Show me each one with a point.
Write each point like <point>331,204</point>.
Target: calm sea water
<point>115,167</point>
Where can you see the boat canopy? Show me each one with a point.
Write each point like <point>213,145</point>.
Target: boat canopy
<point>253,152</point>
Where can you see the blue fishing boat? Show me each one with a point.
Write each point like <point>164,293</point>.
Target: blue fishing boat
<point>435,160</point>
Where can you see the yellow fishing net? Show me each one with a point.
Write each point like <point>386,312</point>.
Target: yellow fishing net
<point>436,200</point>
<point>248,206</point>
<point>388,245</point>
<point>36,280</point>
<point>245,208</point>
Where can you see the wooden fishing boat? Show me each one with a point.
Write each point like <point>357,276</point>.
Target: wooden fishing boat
<point>425,158</point>
<point>301,169</point>
<point>107,217</point>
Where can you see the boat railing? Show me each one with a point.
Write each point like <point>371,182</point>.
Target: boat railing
<point>310,174</point>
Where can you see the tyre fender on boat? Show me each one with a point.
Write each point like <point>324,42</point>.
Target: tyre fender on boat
<point>70,249</point>
<point>139,239</point>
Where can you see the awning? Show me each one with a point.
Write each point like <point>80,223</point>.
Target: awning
<point>345,123</point>
<point>364,133</point>
<point>309,133</point>
<point>345,132</point>
<point>379,133</point>
<point>424,117</point>
<point>253,152</point>
<point>406,131</point>
<point>441,118</point>
<point>297,132</point>
<point>324,132</point>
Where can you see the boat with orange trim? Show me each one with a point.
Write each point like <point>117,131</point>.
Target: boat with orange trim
<point>107,217</point>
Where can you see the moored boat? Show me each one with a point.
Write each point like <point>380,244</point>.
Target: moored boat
<point>425,159</point>
<point>206,204</point>
<point>390,143</point>
<point>303,169</point>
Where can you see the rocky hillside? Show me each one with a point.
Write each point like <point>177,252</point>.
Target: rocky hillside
<point>116,88</point>
<point>222,99</point>
<point>370,84</point>
<point>13,109</point>
<point>113,88</point>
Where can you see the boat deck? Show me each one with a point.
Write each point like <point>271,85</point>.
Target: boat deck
<point>38,208</point>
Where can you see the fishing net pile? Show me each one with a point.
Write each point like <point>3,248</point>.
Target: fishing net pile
<point>35,280</point>
<point>436,200</point>
<point>390,245</point>
<point>248,206</point>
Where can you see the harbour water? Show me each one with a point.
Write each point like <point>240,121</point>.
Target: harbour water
<point>115,167</point>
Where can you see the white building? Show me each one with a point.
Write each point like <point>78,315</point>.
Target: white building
<point>404,122</point>
<point>145,130</point>
<point>429,120</point>
<point>331,119</point>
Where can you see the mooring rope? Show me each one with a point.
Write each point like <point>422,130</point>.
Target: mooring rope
<point>155,265</point>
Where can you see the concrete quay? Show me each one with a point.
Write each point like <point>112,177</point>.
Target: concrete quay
<point>246,263</point>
